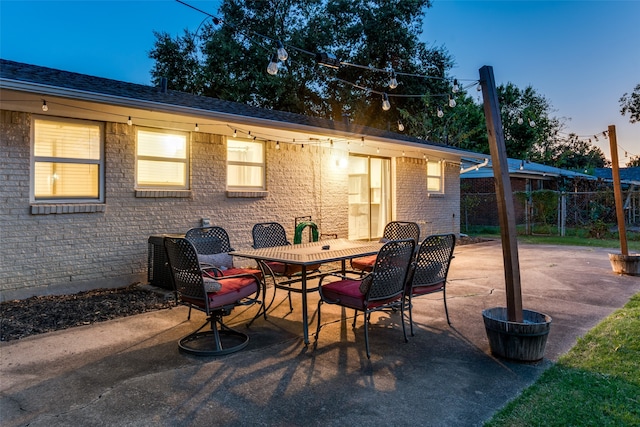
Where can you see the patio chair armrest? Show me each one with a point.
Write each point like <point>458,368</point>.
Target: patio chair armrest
<point>208,268</point>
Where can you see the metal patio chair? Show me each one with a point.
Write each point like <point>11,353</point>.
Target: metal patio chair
<point>394,230</point>
<point>429,270</point>
<point>271,234</point>
<point>381,289</point>
<point>213,246</point>
<point>216,296</point>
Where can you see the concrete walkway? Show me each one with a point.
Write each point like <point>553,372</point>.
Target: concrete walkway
<point>129,371</point>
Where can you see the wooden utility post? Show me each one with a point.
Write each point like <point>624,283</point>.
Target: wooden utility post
<point>617,190</point>
<point>506,210</point>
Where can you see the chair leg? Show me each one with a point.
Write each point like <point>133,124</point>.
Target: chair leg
<point>444,298</point>
<point>411,316</point>
<point>318,327</point>
<point>290,304</point>
<point>366,334</point>
<point>404,330</point>
<point>355,316</point>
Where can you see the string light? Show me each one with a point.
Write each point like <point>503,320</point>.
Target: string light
<point>532,123</point>
<point>45,107</point>
<point>400,126</point>
<point>272,68</point>
<point>386,105</point>
<point>282,53</point>
<point>235,133</point>
<point>393,82</point>
<point>520,120</point>
<point>277,145</point>
<point>197,128</point>
<point>452,102</point>
<point>440,112</point>
<point>129,121</point>
<point>455,86</point>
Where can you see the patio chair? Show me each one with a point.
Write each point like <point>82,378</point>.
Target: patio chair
<point>216,296</point>
<point>213,246</point>
<point>381,289</point>
<point>428,273</point>
<point>394,230</point>
<point>270,234</point>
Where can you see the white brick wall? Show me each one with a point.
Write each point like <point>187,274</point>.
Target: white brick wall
<point>107,244</point>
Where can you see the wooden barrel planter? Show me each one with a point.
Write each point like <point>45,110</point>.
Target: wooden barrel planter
<point>524,342</point>
<point>625,264</point>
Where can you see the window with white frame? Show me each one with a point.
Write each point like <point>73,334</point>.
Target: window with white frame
<point>162,159</point>
<point>67,161</point>
<point>245,165</point>
<point>434,177</point>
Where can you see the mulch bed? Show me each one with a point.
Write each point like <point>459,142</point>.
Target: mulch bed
<point>37,315</point>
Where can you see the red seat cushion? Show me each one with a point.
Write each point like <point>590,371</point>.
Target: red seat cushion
<point>364,263</point>
<point>423,290</point>
<point>233,289</point>
<point>289,270</point>
<point>347,292</point>
<point>234,271</point>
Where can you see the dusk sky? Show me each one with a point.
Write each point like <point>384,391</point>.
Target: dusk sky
<point>581,55</point>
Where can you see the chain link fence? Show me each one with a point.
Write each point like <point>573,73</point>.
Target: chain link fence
<point>551,212</point>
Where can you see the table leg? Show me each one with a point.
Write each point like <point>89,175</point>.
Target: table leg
<point>305,325</point>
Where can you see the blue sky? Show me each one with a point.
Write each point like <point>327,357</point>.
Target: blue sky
<point>581,55</point>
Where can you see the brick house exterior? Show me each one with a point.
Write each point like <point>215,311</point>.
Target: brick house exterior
<point>50,248</point>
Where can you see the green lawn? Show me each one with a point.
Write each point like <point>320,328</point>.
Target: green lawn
<point>573,238</point>
<point>597,383</point>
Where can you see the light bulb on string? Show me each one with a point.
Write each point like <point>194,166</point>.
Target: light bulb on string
<point>479,87</point>
<point>45,107</point>
<point>386,105</point>
<point>129,121</point>
<point>520,120</point>
<point>272,68</point>
<point>440,112</point>
<point>282,53</point>
<point>378,150</point>
<point>277,145</point>
<point>455,86</point>
<point>452,102</point>
<point>235,133</point>
<point>400,126</point>
<point>532,123</point>
<point>197,128</point>
<point>393,82</point>
<point>362,142</point>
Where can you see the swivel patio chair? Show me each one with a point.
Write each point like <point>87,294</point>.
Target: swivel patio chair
<point>429,270</point>
<point>271,234</point>
<point>394,230</point>
<point>215,296</point>
<point>213,246</point>
<point>381,289</point>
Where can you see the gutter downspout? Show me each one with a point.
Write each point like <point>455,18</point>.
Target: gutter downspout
<point>476,167</point>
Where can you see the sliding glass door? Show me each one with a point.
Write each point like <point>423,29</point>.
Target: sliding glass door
<point>369,196</point>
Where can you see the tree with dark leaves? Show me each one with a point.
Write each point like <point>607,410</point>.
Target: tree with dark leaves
<point>630,103</point>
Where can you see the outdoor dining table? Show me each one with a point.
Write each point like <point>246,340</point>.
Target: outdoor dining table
<point>308,254</point>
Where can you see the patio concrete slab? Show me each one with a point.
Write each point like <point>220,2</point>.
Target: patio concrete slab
<point>129,371</point>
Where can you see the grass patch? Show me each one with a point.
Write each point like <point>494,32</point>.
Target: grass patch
<point>597,383</point>
<point>573,237</point>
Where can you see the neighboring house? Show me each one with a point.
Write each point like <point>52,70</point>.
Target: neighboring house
<point>477,183</point>
<point>92,167</point>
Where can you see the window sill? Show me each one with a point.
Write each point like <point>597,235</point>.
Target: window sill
<point>247,194</point>
<point>48,209</point>
<point>436,195</point>
<point>163,193</point>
